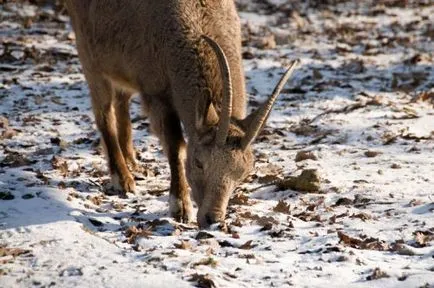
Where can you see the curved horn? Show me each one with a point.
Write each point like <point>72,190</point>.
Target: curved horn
<point>257,119</point>
<point>225,115</point>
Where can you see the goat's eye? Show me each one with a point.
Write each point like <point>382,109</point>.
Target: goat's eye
<point>198,164</point>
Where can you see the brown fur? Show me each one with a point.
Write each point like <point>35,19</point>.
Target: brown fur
<point>155,48</point>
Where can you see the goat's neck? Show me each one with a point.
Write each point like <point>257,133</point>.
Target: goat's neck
<point>190,81</point>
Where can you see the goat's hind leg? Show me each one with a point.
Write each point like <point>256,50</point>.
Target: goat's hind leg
<point>124,128</point>
<point>103,96</point>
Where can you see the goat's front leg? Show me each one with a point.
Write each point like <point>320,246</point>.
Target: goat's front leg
<point>166,124</point>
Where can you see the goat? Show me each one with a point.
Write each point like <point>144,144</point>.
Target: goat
<point>184,58</point>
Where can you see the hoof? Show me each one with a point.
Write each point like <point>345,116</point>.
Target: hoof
<point>123,185</point>
<point>181,210</point>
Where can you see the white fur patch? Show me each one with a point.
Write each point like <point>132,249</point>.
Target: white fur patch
<point>116,182</point>
<point>174,207</point>
<point>174,204</point>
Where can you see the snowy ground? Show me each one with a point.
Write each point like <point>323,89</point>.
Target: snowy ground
<point>360,106</point>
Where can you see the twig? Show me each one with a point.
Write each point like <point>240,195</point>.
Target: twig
<point>157,192</point>
<point>95,184</point>
<point>346,109</point>
<point>272,183</point>
<point>362,205</point>
<point>319,138</point>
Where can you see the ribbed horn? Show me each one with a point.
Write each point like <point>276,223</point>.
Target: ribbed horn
<point>226,112</point>
<point>257,119</point>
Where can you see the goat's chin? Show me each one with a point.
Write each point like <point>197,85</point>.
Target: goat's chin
<point>210,221</point>
<point>215,227</point>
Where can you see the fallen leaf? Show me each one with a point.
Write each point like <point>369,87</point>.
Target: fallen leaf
<point>14,159</point>
<point>401,249</point>
<point>203,235</point>
<point>248,245</point>
<point>427,96</point>
<point>377,274</point>
<point>61,165</point>
<point>207,262</point>
<point>365,244</point>
<point>14,252</point>
<point>422,238</point>
<point>239,199</point>
<point>4,123</point>
<point>308,216</point>
<point>415,202</point>
<point>343,201</point>
<point>305,155</point>
<point>96,200</point>
<point>362,216</point>
<point>9,133</point>
<point>203,280</point>
<point>282,207</point>
<point>133,233</point>
<point>372,154</point>
<point>184,245</point>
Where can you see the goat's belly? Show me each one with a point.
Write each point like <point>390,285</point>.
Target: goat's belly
<point>146,78</point>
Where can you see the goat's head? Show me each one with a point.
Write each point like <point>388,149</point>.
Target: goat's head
<point>220,155</point>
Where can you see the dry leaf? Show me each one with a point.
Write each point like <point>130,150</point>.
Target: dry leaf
<point>96,200</point>
<point>308,216</point>
<point>61,165</point>
<point>133,233</point>
<point>422,238</point>
<point>239,199</point>
<point>305,155</point>
<point>14,159</point>
<point>343,201</point>
<point>9,133</point>
<point>427,96</point>
<point>362,216</point>
<point>4,123</point>
<point>372,154</point>
<point>203,280</point>
<point>377,274</point>
<point>184,245</point>
<point>401,249</point>
<point>282,207</point>
<point>207,262</point>
<point>248,245</point>
<point>365,244</point>
<point>415,202</point>
<point>203,235</point>
<point>14,252</point>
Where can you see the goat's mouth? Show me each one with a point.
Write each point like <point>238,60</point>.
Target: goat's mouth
<point>211,221</point>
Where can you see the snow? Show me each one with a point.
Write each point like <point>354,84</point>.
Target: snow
<point>356,102</point>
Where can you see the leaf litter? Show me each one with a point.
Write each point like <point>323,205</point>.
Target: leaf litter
<point>360,103</point>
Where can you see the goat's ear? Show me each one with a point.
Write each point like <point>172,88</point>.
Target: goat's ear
<point>248,124</point>
<point>254,123</point>
<point>206,114</point>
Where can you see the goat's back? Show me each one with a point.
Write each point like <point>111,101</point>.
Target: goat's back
<point>133,41</point>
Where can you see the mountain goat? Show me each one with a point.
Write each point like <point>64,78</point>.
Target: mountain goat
<point>184,58</point>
